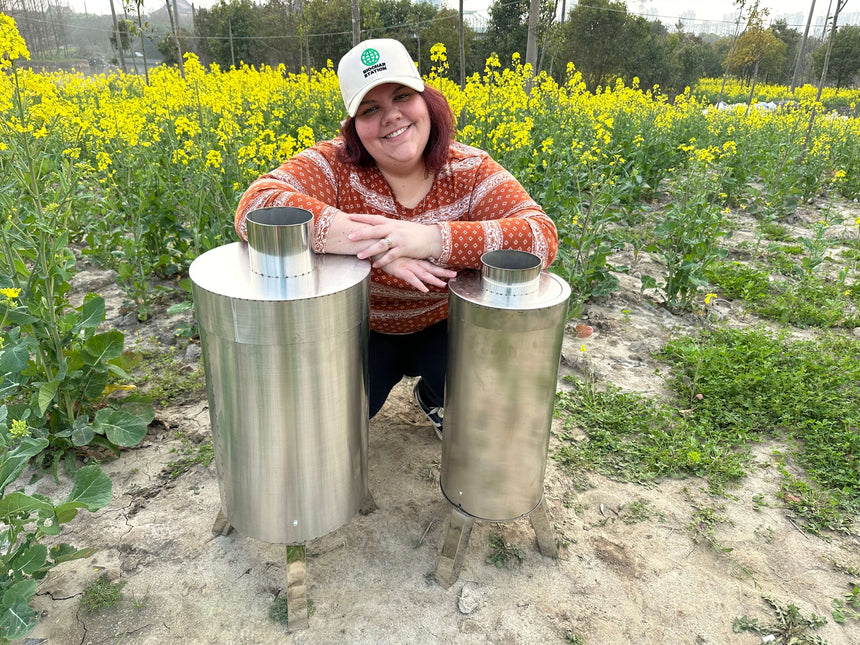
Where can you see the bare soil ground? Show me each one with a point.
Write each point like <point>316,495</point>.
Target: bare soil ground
<point>618,579</point>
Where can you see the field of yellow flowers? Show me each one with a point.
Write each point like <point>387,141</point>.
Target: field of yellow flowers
<point>142,177</point>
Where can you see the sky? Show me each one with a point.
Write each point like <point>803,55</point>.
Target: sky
<point>667,11</point>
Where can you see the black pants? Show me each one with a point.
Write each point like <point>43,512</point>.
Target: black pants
<point>424,354</point>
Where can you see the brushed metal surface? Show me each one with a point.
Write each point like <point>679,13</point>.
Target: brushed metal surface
<point>286,377</point>
<point>503,356</point>
<point>279,241</point>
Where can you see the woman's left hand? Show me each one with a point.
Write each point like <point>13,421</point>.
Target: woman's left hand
<point>393,239</point>
<point>419,273</point>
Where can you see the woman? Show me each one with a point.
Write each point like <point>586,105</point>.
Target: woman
<point>396,188</point>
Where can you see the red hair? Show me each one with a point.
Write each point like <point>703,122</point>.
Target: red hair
<point>441,134</point>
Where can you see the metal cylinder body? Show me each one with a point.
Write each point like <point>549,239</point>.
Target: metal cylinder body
<point>505,329</point>
<point>286,376</point>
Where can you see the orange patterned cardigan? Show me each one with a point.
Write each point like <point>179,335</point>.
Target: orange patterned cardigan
<point>477,205</point>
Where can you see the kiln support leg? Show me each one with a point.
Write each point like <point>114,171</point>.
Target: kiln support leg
<point>297,590</point>
<point>543,531</point>
<point>454,549</point>
<point>222,525</point>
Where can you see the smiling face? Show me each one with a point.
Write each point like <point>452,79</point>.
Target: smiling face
<point>393,124</point>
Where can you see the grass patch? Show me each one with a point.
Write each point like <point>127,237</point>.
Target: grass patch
<point>190,455</point>
<point>634,438</point>
<point>791,627</point>
<point>808,301</point>
<point>101,594</point>
<point>168,380</point>
<point>733,389</point>
<point>502,552</point>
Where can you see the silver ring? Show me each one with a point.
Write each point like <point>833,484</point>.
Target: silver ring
<point>388,242</point>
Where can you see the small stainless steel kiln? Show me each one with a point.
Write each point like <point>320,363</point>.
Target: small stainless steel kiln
<point>505,330</point>
<point>284,334</point>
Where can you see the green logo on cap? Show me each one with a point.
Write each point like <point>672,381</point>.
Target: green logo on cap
<point>369,56</point>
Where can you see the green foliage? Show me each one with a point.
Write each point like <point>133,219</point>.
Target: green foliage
<point>844,61</point>
<point>55,365</point>
<point>754,385</point>
<point>102,594</point>
<point>502,552</point>
<point>279,612</point>
<point>791,626</point>
<point>686,236</point>
<point>803,298</point>
<point>191,455</point>
<point>734,388</point>
<point>25,520</point>
<point>846,608</point>
<point>167,380</point>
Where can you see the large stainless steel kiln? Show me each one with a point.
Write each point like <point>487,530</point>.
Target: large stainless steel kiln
<point>505,330</point>
<point>284,334</point>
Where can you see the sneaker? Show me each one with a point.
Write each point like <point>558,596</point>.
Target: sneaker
<point>433,414</point>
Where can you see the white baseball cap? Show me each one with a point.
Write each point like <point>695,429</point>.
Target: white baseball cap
<point>375,62</point>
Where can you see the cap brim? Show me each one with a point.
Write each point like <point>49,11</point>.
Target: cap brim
<point>409,81</point>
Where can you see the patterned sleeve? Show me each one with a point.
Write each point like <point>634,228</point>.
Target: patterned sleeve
<point>501,215</point>
<point>305,181</point>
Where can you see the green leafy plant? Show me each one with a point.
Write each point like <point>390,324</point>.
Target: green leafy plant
<point>502,552</point>
<point>55,366</point>
<point>102,594</point>
<point>25,519</point>
<point>190,455</point>
<point>687,234</point>
<point>702,528</point>
<point>846,608</point>
<point>790,628</point>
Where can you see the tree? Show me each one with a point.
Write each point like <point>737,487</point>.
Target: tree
<point>758,51</point>
<point>228,32</point>
<point>791,38</point>
<point>329,27</point>
<point>592,39</point>
<point>688,60</point>
<point>444,29</point>
<point>643,52</point>
<point>507,30</point>
<point>124,36</point>
<point>844,57</point>
<point>167,46</point>
<point>281,32</point>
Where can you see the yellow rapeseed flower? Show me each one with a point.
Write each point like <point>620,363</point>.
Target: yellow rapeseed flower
<point>12,45</point>
<point>9,294</point>
<point>19,429</point>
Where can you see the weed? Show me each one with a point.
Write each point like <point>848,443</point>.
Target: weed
<point>191,455</point>
<point>168,381</point>
<point>843,567</point>
<point>279,613</point>
<point>791,627</point>
<point>820,508</point>
<point>102,594</point>
<point>810,301</point>
<point>845,608</point>
<point>765,534</point>
<point>634,438</point>
<point>639,510</point>
<point>574,638</point>
<point>278,610</point>
<point>430,472</point>
<point>502,551</point>
<point>754,385</point>
<point>774,231</point>
<point>139,603</point>
<point>702,526</point>
<point>759,502</point>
